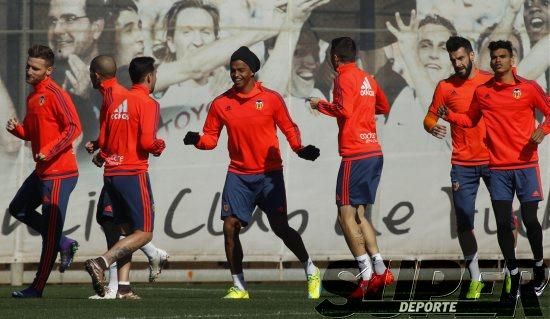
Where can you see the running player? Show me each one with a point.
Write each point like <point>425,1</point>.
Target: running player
<point>51,125</point>
<point>357,97</point>
<point>127,137</point>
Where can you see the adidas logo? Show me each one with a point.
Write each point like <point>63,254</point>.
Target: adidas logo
<point>121,112</point>
<point>453,93</point>
<point>366,89</point>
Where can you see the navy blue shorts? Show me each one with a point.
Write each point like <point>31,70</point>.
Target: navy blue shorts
<point>132,200</point>
<point>524,182</point>
<point>358,181</point>
<point>465,184</point>
<point>243,192</point>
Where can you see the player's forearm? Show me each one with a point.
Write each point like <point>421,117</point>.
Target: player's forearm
<point>207,142</point>
<point>430,121</point>
<point>65,139</point>
<point>332,109</point>
<point>461,119</point>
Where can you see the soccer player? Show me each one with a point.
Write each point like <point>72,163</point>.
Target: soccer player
<point>251,113</point>
<point>127,137</point>
<point>470,157</point>
<point>103,76</point>
<point>51,125</point>
<point>507,105</point>
<point>356,99</point>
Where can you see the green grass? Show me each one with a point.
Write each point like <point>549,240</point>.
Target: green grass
<point>268,300</point>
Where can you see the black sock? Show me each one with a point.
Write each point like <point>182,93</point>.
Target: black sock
<point>533,227</point>
<point>123,289</point>
<point>505,234</point>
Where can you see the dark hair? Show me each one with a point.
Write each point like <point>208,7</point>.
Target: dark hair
<point>172,15</point>
<point>115,7</point>
<point>140,67</point>
<point>501,44</point>
<point>487,32</point>
<point>439,20</point>
<point>455,42</point>
<point>42,52</point>
<point>344,48</point>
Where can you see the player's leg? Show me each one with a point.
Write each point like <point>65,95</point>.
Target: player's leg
<point>273,202</point>
<point>465,184</point>
<point>133,191</point>
<point>238,203</point>
<point>502,194</point>
<point>529,191</point>
<point>55,194</point>
<point>26,200</point>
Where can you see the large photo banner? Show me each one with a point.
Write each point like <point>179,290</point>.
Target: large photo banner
<point>192,40</point>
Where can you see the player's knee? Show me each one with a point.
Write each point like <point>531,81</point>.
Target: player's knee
<point>14,210</point>
<point>231,226</point>
<point>281,231</point>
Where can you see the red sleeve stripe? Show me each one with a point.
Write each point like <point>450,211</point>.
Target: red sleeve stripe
<point>66,141</point>
<point>282,101</point>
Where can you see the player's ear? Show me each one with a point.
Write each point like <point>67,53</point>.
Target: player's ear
<point>472,56</point>
<point>49,70</point>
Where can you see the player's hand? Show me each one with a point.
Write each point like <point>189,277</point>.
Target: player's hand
<point>309,153</point>
<point>98,160</point>
<point>40,157</point>
<point>77,77</point>
<point>439,131</point>
<point>12,123</point>
<point>91,147</point>
<point>313,102</point>
<point>301,10</point>
<point>538,136</point>
<point>158,146</point>
<point>443,112</point>
<point>191,138</point>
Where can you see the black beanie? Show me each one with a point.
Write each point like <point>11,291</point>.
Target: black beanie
<point>244,54</point>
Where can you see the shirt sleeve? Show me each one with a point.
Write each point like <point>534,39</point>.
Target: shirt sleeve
<point>542,102</point>
<point>470,118</point>
<point>148,123</point>
<point>211,130</point>
<point>65,113</point>
<point>342,102</point>
<point>287,126</point>
<point>102,124</point>
<point>438,100</point>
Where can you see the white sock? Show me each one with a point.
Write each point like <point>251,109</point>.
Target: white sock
<point>539,263</point>
<point>473,266</point>
<point>149,250</point>
<point>309,267</point>
<point>363,262</point>
<point>238,281</point>
<point>514,271</point>
<point>378,264</point>
<point>113,277</point>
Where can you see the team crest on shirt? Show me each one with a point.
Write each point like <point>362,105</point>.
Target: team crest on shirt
<point>516,93</point>
<point>259,105</point>
<point>225,207</point>
<point>42,100</point>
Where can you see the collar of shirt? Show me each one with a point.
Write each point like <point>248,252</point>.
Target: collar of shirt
<point>517,79</point>
<point>141,88</point>
<point>346,66</point>
<point>257,89</point>
<point>108,83</point>
<point>42,84</point>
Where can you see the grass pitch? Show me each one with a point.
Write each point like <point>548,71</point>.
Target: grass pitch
<point>180,300</point>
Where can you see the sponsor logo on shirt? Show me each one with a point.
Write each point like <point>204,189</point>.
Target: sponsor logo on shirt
<point>121,112</point>
<point>366,89</point>
<point>259,105</point>
<point>114,160</point>
<point>516,93</point>
<point>369,137</point>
